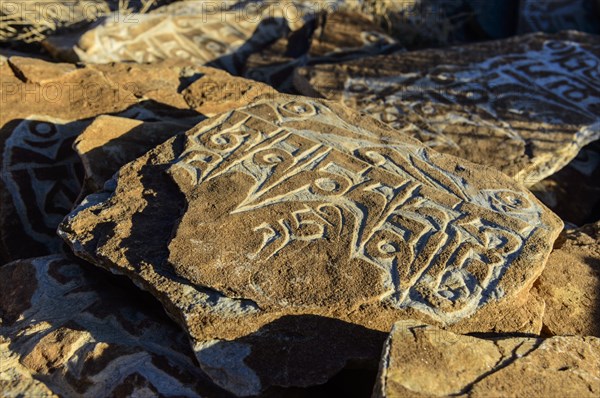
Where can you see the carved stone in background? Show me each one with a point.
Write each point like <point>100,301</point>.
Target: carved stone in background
<point>83,332</point>
<point>570,284</point>
<point>424,361</point>
<point>555,15</point>
<point>45,106</point>
<point>334,37</point>
<point>296,207</point>
<point>524,105</point>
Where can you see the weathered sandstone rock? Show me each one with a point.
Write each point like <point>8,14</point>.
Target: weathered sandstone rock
<point>570,284</point>
<point>45,106</point>
<point>83,332</point>
<point>524,105</point>
<point>294,209</point>
<point>424,361</point>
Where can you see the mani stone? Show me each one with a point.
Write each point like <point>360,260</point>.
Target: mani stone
<point>227,36</point>
<point>424,361</point>
<point>293,209</point>
<point>45,106</point>
<point>556,15</point>
<point>69,329</point>
<point>524,105</point>
<point>570,284</point>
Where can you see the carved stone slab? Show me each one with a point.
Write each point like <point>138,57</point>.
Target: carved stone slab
<point>297,207</point>
<point>524,105</point>
<point>45,106</point>
<point>228,36</point>
<point>424,361</point>
<point>329,37</point>
<point>83,332</point>
<point>556,15</point>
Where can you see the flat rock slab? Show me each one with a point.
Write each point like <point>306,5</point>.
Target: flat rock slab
<point>424,361</point>
<point>112,141</point>
<point>570,284</point>
<point>295,207</point>
<point>70,329</point>
<point>45,106</point>
<point>524,105</point>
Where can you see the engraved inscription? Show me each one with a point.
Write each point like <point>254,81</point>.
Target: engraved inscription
<point>439,246</point>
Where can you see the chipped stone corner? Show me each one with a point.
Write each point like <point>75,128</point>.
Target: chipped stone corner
<point>223,362</point>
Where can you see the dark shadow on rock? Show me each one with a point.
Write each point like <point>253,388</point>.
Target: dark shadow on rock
<point>44,178</point>
<point>594,263</point>
<point>268,31</point>
<point>304,350</point>
<point>119,317</point>
<point>349,383</point>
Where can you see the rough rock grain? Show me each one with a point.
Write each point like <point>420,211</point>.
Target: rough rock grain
<point>70,329</point>
<point>294,208</point>
<point>45,106</point>
<point>524,105</point>
<point>424,361</point>
<point>570,284</point>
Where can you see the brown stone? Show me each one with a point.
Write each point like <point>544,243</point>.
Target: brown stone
<point>293,208</point>
<point>111,141</point>
<point>45,106</point>
<point>524,105</point>
<point>79,331</point>
<point>570,284</point>
<point>329,37</point>
<point>424,361</point>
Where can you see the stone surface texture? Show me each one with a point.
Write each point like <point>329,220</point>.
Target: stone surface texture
<point>293,208</point>
<point>424,361</point>
<point>45,106</point>
<point>69,329</point>
<point>524,105</point>
<point>570,284</point>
